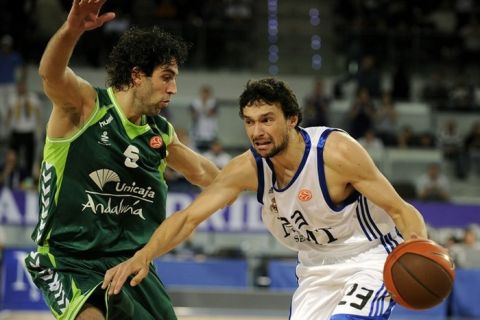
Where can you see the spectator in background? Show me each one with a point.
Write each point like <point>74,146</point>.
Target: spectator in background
<point>24,123</point>
<point>401,87</point>
<point>406,138</point>
<point>425,140</point>
<point>466,254</point>
<point>361,114</point>
<point>470,34</point>
<point>368,77</point>
<point>386,120</point>
<point>462,95</point>
<point>11,63</point>
<point>317,105</point>
<point>371,142</point>
<point>433,184</point>
<point>204,112</point>
<point>472,147</point>
<point>217,155</point>
<point>451,144</point>
<point>435,91</point>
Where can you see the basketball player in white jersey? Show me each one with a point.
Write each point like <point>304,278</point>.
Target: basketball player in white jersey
<point>322,196</point>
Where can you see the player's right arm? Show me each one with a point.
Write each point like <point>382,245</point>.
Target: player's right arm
<point>73,98</point>
<point>239,175</point>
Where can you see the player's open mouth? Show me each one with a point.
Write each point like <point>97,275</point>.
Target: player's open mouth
<point>262,144</point>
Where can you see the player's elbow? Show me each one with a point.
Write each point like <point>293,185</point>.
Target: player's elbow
<point>202,178</point>
<point>45,74</point>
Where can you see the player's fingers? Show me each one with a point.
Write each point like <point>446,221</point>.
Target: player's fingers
<point>108,277</point>
<point>119,279</point>
<point>108,16</point>
<point>139,277</point>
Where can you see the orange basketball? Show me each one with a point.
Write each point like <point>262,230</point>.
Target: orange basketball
<point>419,274</point>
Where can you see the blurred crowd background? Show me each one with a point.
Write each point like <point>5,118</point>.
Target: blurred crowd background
<point>402,77</point>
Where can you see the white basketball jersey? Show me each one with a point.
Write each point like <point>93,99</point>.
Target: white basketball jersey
<point>303,217</point>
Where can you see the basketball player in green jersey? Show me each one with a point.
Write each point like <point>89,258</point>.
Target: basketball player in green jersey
<point>102,192</point>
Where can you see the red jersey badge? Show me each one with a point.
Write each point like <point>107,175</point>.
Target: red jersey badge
<point>156,142</point>
<point>304,195</point>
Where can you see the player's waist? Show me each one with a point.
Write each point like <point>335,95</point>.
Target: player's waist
<point>92,253</point>
<point>338,253</point>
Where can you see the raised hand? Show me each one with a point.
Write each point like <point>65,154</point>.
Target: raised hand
<point>116,276</point>
<point>84,15</point>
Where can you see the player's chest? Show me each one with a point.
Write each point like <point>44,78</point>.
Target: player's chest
<point>114,144</point>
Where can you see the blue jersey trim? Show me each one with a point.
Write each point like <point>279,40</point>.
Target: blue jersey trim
<point>321,175</point>
<point>363,224</point>
<point>378,303</point>
<point>260,176</point>
<point>370,228</point>
<point>367,209</point>
<point>398,233</point>
<point>356,317</point>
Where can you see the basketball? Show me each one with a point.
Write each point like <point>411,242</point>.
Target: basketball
<point>419,274</point>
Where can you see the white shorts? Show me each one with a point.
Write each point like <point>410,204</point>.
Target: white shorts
<point>351,287</point>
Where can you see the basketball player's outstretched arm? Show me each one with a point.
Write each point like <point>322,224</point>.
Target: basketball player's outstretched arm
<point>239,175</point>
<point>353,166</point>
<point>73,98</point>
<point>197,169</point>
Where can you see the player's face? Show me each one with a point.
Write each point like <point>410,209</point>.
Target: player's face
<point>156,91</point>
<point>267,128</point>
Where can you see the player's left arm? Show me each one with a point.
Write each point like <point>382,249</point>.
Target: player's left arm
<point>352,163</point>
<point>193,166</point>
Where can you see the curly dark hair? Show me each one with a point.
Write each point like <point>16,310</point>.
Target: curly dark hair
<point>145,49</point>
<point>271,90</point>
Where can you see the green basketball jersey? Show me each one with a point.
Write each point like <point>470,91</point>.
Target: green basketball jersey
<point>102,191</point>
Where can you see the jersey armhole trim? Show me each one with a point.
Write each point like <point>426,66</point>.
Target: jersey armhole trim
<point>260,176</point>
<point>321,174</point>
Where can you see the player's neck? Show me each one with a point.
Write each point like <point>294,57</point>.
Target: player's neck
<point>126,101</point>
<point>287,162</point>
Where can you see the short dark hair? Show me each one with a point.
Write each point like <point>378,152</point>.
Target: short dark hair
<point>145,49</point>
<point>271,90</point>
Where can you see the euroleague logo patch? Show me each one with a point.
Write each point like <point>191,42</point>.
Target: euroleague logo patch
<point>156,142</point>
<point>304,195</point>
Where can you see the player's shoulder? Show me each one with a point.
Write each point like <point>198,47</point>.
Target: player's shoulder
<point>339,146</point>
<point>244,160</point>
<point>242,171</point>
<point>162,123</point>
<point>103,97</point>
<point>242,165</point>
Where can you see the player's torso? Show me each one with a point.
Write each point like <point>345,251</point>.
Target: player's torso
<point>303,217</point>
<point>104,190</point>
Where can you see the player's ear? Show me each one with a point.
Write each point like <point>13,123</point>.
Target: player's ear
<point>292,121</point>
<point>136,75</point>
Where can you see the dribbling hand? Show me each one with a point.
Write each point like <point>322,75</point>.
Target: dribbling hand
<point>115,277</point>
